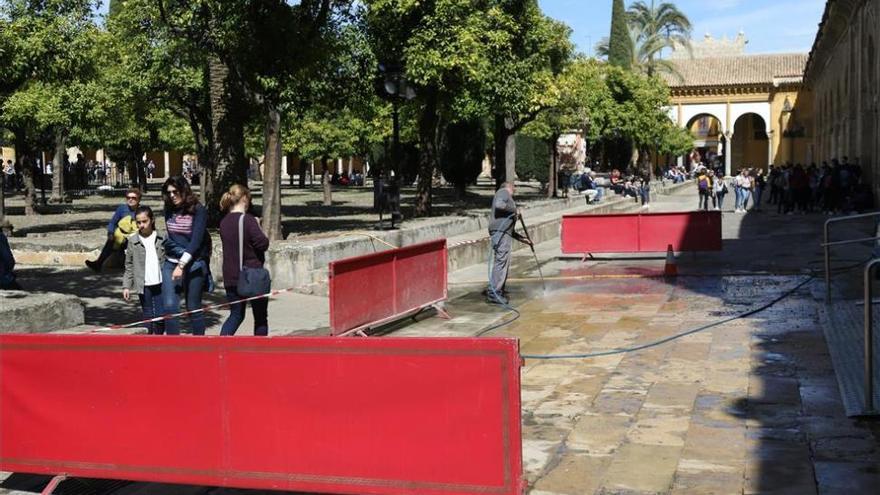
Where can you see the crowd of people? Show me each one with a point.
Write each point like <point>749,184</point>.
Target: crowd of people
<point>832,188</point>
<point>163,268</point>
<point>588,183</point>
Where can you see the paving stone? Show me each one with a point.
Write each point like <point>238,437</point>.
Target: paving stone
<point>848,477</point>
<point>576,474</point>
<point>779,467</point>
<point>645,468</point>
<point>702,483</point>
<point>599,434</point>
<point>659,430</point>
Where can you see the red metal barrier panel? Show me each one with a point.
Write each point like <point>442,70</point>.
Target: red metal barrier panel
<point>641,232</point>
<point>599,233</point>
<point>333,415</point>
<point>381,287</point>
<point>692,231</point>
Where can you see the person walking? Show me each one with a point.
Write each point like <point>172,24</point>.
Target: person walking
<point>759,185</point>
<point>502,231</point>
<point>244,245</point>
<point>704,188</point>
<point>143,268</point>
<point>186,271</point>
<point>720,189</point>
<point>119,228</point>
<point>745,186</point>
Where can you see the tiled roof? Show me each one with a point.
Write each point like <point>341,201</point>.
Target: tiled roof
<point>737,70</point>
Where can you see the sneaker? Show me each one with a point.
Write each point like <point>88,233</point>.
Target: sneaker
<point>499,300</point>
<point>94,266</point>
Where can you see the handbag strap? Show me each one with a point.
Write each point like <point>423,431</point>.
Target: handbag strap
<point>241,242</point>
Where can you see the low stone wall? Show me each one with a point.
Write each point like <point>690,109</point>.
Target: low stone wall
<point>303,264</point>
<point>39,312</point>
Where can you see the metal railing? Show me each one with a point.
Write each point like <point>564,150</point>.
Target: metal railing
<point>826,245</point>
<point>869,336</point>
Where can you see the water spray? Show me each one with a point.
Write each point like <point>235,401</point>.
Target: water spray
<point>532,246</point>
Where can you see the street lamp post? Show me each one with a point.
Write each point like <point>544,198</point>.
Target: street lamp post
<point>396,88</point>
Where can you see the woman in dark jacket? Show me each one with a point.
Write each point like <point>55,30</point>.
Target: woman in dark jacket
<point>186,270</point>
<point>254,244</point>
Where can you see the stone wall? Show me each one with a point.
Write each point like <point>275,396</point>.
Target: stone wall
<point>844,74</point>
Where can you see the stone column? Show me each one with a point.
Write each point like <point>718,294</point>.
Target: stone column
<point>167,165</point>
<point>728,154</point>
<point>770,135</point>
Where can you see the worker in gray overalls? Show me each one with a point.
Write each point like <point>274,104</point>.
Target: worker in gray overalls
<point>501,233</point>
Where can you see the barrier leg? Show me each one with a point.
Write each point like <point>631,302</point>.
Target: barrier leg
<point>441,311</point>
<point>53,484</point>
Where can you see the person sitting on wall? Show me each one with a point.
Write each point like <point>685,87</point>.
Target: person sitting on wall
<point>7,265</point>
<point>121,225</point>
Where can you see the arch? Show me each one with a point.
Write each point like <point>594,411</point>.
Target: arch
<point>717,110</point>
<point>750,143</point>
<point>762,109</point>
<point>707,131</point>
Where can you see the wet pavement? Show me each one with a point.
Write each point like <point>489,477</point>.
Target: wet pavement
<point>748,406</point>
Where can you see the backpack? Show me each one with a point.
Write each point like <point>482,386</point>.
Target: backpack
<point>703,183</point>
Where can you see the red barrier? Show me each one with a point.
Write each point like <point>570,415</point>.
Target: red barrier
<point>641,232</point>
<point>378,288</point>
<point>334,415</point>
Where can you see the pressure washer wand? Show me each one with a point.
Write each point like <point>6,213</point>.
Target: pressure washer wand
<point>532,246</point>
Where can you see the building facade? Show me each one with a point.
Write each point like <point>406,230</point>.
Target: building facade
<point>747,110</point>
<point>843,72</point>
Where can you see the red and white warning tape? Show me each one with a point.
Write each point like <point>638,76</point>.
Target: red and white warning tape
<point>194,311</point>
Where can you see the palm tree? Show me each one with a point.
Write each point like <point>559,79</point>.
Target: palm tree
<point>652,29</point>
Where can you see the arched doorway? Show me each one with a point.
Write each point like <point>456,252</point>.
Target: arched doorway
<point>750,143</point>
<point>709,139</point>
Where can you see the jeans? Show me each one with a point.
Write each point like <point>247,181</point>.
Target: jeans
<point>704,200</point>
<point>739,197</point>
<point>759,191</point>
<point>745,194</point>
<point>260,308</point>
<point>193,285</point>
<point>151,304</point>
<point>719,197</point>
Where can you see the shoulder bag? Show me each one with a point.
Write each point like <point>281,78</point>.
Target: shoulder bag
<point>251,281</point>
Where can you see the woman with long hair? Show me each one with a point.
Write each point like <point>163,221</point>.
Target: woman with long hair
<point>186,271</point>
<point>244,245</point>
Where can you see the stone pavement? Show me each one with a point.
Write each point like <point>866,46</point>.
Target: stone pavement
<point>750,406</point>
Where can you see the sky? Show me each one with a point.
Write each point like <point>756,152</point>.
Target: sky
<point>779,26</point>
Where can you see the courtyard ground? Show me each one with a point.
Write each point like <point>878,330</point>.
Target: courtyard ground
<point>750,406</point>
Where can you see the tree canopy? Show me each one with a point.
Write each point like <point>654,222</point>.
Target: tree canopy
<point>233,80</point>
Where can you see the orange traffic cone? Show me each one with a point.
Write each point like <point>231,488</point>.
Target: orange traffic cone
<point>671,269</point>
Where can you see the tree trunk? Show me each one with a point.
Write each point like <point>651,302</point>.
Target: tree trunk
<point>505,150</point>
<point>227,124</point>
<point>272,180</point>
<point>554,159</point>
<point>302,173</point>
<point>428,128</point>
<point>25,163</point>
<point>58,195</point>
<point>510,154</point>
<point>255,167</point>
<point>500,145</point>
<point>325,182</point>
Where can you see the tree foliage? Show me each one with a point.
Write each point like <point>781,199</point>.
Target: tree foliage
<point>620,47</point>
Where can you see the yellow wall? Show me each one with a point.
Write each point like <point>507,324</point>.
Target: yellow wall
<point>7,154</point>
<point>792,149</point>
<point>784,148</point>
